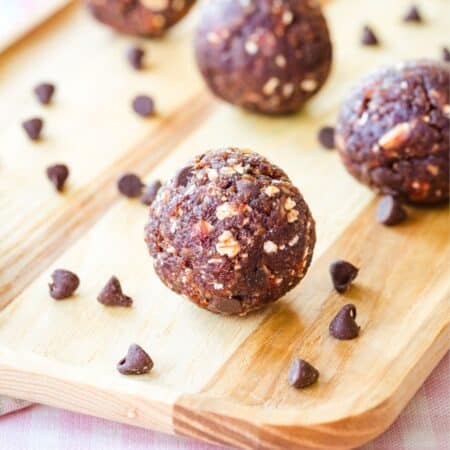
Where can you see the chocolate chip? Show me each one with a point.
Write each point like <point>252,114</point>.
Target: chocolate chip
<point>225,306</point>
<point>135,56</point>
<point>58,175</point>
<point>412,15</point>
<point>342,274</point>
<point>446,54</point>
<point>136,362</point>
<point>144,105</point>
<point>33,128</point>
<point>64,284</point>
<point>44,92</point>
<point>149,195</point>
<point>182,176</point>
<point>326,137</point>
<point>112,295</point>
<point>302,374</point>
<point>368,37</point>
<point>390,211</point>
<point>247,189</point>
<point>343,326</point>
<point>130,185</point>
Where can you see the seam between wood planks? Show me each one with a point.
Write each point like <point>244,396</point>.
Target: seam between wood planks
<point>63,226</point>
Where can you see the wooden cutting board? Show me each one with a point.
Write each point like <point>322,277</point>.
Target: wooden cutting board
<point>218,379</point>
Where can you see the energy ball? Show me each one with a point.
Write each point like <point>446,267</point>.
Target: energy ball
<point>268,56</point>
<point>149,18</point>
<point>393,131</point>
<point>230,232</point>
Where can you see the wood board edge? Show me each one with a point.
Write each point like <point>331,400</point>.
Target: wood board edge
<point>198,416</point>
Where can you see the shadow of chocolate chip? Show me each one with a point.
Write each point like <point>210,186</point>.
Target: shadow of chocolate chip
<point>183,175</point>
<point>368,37</point>
<point>130,185</point>
<point>150,193</point>
<point>58,175</point>
<point>344,326</point>
<point>112,295</point>
<point>33,128</point>
<point>342,274</point>
<point>302,374</point>
<point>44,92</point>
<point>390,211</point>
<point>136,362</point>
<point>64,284</point>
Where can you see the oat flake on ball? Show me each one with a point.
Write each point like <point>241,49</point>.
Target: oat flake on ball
<point>230,232</point>
<point>393,131</point>
<point>268,56</point>
<point>149,18</point>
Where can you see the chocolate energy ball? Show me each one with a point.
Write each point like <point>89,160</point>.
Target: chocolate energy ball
<point>268,56</point>
<point>393,131</point>
<point>230,232</point>
<point>141,17</point>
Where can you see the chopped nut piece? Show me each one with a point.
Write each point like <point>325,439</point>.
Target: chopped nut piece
<point>271,85</point>
<point>292,215</point>
<point>396,136</point>
<point>271,190</point>
<point>289,204</point>
<point>227,245</point>
<point>270,247</point>
<point>226,210</point>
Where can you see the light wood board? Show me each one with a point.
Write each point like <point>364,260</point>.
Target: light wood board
<point>218,379</point>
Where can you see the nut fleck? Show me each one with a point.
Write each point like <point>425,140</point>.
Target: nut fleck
<point>271,85</point>
<point>271,190</point>
<point>308,85</point>
<point>396,136</point>
<point>251,47</point>
<point>227,245</point>
<point>270,247</point>
<point>292,216</point>
<point>280,61</point>
<point>226,210</point>
<point>289,204</point>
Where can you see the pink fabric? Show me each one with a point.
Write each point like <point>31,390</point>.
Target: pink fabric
<point>423,425</point>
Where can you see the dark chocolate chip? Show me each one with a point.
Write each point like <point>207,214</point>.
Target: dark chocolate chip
<point>64,284</point>
<point>112,295</point>
<point>225,306</point>
<point>33,128</point>
<point>412,15</point>
<point>390,211</point>
<point>368,37</point>
<point>182,176</point>
<point>247,189</point>
<point>130,185</point>
<point>58,175</point>
<point>302,374</point>
<point>343,326</point>
<point>326,137</point>
<point>149,195</point>
<point>144,105</point>
<point>446,54</point>
<point>342,274</point>
<point>136,362</point>
<point>44,92</point>
<point>135,56</point>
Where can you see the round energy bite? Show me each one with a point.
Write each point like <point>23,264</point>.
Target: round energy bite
<point>268,56</point>
<point>230,232</point>
<point>393,131</point>
<point>149,18</point>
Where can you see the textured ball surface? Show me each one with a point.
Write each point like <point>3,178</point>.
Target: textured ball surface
<point>393,131</point>
<point>230,232</point>
<point>268,56</point>
<point>140,17</point>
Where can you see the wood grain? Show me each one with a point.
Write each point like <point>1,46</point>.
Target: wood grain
<point>218,379</point>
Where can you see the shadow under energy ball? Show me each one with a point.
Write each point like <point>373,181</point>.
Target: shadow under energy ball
<point>393,131</point>
<point>230,232</point>
<point>268,56</point>
<point>149,18</point>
